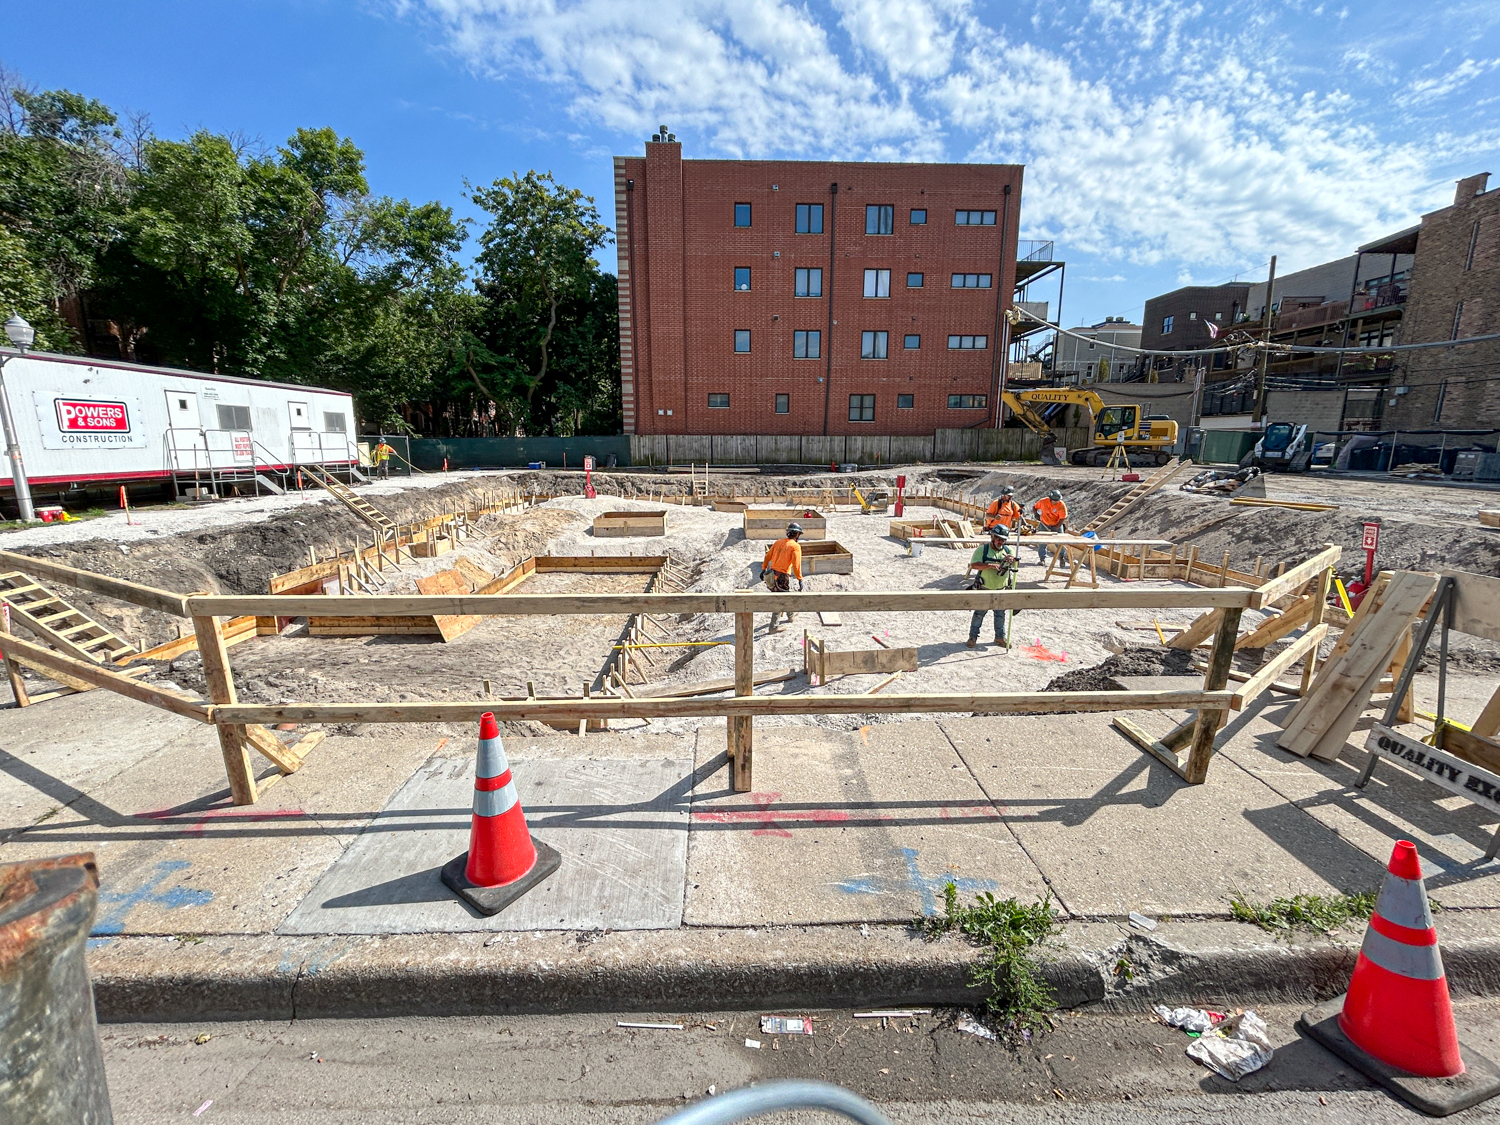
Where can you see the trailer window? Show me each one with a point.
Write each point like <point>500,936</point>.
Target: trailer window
<point>234,417</point>
<point>334,423</point>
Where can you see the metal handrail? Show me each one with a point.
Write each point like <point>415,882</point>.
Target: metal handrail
<point>774,1097</point>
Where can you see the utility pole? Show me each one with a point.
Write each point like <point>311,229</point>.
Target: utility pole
<point>1265,355</point>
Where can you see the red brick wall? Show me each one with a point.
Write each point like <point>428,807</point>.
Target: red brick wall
<point>677,327</point>
<point>1452,388</point>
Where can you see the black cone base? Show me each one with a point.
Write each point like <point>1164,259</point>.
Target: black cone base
<point>492,900</point>
<point>1437,1097</point>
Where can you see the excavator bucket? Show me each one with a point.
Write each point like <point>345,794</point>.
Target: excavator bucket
<point>1050,455</point>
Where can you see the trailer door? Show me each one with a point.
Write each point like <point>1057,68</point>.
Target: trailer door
<point>186,445</point>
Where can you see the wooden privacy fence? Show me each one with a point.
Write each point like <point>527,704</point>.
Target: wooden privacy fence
<point>242,727</point>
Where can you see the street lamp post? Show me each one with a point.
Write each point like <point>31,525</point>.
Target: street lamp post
<point>21,335</point>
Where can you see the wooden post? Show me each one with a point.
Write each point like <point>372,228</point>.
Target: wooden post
<point>1310,662</point>
<point>1195,772</point>
<point>1187,575</point>
<point>233,742</point>
<point>1172,566</point>
<point>1224,572</point>
<point>741,733</point>
<point>12,669</point>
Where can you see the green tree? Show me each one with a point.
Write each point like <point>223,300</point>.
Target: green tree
<point>540,281</point>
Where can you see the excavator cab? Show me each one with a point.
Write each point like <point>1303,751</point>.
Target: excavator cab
<point>1113,419</point>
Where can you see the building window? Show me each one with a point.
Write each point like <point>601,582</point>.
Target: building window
<point>783,404</point>
<point>1458,317</point>
<point>742,339</point>
<point>918,219</point>
<point>974,218</point>
<point>872,345</point>
<point>877,283</point>
<point>742,214</point>
<point>968,402</point>
<point>968,343</point>
<point>1166,326</point>
<point>861,408</point>
<point>1218,316</point>
<point>234,417</point>
<point>971,281</point>
<point>809,218</point>
<point>809,283</point>
<point>914,280</point>
<point>1473,244</point>
<point>912,342</point>
<point>741,278</point>
<point>335,423</point>
<point>807,345</point>
<point>1091,343</point>
<point>905,402</point>
<point>718,402</point>
<point>880,218</point>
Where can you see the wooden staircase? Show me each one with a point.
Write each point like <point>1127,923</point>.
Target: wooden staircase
<point>355,503</point>
<point>1155,481</point>
<point>59,624</point>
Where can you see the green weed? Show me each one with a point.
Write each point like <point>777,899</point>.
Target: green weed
<point>1306,912</point>
<point>1011,933</point>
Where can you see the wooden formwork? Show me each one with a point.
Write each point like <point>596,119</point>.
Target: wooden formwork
<point>826,557</point>
<point>771,523</point>
<point>628,525</point>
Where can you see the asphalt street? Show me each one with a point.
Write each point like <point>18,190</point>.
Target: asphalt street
<point>1100,1069</point>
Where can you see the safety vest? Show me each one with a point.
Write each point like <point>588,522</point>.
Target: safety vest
<point>1051,512</point>
<point>784,555</point>
<point>1002,512</point>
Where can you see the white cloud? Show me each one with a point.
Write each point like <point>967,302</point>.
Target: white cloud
<point>1152,130</point>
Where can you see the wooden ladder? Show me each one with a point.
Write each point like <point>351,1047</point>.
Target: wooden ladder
<point>1135,495</point>
<point>59,624</point>
<point>355,503</point>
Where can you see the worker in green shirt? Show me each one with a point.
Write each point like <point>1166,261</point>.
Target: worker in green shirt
<point>996,564</point>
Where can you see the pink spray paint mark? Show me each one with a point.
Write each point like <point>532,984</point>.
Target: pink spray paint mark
<point>1037,652</point>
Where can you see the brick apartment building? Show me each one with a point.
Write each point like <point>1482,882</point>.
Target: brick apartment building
<point>1455,293</point>
<point>799,297</point>
<point>1178,321</point>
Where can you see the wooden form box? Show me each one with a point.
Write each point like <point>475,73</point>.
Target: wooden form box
<point>821,663</point>
<point>630,524</point>
<point>432,547</point>
<point>903,529</point>
<point>770,523</point>
<point>826,558</point>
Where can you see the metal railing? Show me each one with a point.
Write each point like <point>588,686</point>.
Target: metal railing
<point>1034,250</point>
<point>209,458</point>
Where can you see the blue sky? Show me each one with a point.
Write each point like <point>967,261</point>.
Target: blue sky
<point>1166,143</point>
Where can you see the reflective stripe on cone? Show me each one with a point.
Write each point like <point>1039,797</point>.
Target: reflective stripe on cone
<point>500,847</point>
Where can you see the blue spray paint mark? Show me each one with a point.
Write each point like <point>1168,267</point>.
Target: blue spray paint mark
<point>928,887</point>
<point>117,905</point>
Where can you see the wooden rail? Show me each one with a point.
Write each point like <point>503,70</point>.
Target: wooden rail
<point>597,707</point>
<point>406,605</point>
<point>118,588</point>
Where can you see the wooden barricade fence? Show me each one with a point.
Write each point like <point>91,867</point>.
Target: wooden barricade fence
<point>243,726</point>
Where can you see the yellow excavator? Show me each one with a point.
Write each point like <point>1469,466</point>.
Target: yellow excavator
<point>1144,438</point>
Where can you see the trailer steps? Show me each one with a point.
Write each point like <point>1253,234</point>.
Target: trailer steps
<point>64,627</point>
<point>269,484</point>
<point>355,503</point>
<point>1156,480</point>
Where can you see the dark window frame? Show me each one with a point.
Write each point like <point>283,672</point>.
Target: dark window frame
<point>968,402</point>
<point>811,342</point>
<point>782,404</point>
<point>862,410</point>
<point>738,288</point>
<point>879,340</point>
<point>921,280</point>
<point>906,402</point>
<point>916,222</point>
<point>882,217</point>
<point>803,220</point>
<point>802,278</point>
<point>748,215</point>
<point>738,332</point>
<point>724,405</point>
<point>906,342</point>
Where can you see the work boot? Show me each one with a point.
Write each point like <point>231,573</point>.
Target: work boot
<point>972,642</point>
<point>1001,642</point>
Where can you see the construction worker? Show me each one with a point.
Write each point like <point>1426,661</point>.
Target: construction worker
<point>1003,510</point>
<point>997,564</point>
<point>783,560</point>
<point>1052,514</point>
<point>382,455</point>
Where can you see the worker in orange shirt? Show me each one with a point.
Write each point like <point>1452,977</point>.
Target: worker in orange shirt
<point>783,561</point>
<point>1052,514</point>
<point>1003,510</point>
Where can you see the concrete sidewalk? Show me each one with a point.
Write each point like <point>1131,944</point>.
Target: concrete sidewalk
<point>676,892</point>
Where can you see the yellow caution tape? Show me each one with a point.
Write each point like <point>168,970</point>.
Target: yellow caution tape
<point>1343,596</point>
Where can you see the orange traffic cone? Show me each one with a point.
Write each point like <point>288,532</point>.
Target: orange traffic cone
<point>504,859</point>
<point>1395,1023</point>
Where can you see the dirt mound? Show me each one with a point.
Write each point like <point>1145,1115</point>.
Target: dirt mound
<point>1141,660</point>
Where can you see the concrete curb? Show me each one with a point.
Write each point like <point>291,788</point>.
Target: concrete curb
<point>264,976</point>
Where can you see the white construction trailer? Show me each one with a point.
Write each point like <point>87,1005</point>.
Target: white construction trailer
<point>87,423</point>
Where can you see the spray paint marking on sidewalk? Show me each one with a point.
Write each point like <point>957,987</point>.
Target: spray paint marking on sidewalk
<point>929,888</point>
<point>115,906</point>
